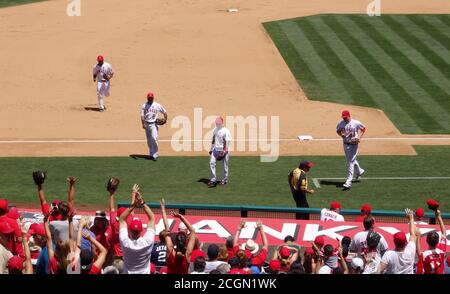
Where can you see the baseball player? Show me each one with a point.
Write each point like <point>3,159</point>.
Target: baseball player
<point>102,73</point>
<point>151,123</point>
<point>351,131</point>
<point>332,214</point>
<point>219,152</point>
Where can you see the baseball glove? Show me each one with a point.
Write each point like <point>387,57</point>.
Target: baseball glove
<point>39,177</point>
<point>161,121</point>
<point>112,185</point>
<point>354,140</point>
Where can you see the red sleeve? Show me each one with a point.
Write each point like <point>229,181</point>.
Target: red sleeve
<point>263,254</point>
<point>235,249</point>
<point>95,270</point>
<point>44,208</point>
<point>419,270</point>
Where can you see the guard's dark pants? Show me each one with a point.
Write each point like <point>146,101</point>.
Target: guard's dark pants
<point>300,201</point>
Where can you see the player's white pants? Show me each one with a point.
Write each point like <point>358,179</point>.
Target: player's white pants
<point>213,163</point>
<point>351,150</point>
<point>151,131</point>
<point>102,91</point>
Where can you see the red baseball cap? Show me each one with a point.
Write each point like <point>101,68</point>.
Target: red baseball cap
<point>309,251</point>
<point>432,204</point>
<point>319,241</point>
<point>219,120</point>
<point>13,213</point>
<point>420,212</point>
<point>6,228</point>
<point>285,252</point>
<point>366,208</point>
<point>37,229</point>
<point>274,265</point>
<point>15,264</point>
<point>150,95</point>
<point>56,202</point>
<point>400,239</point>
<point>335,205</point>
<point>345,114</point>
<point>120,210</point>
<point>4,204</point>
<point>135,225</point>
<point>100,58</point>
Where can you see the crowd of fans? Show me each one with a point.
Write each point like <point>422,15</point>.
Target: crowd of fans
<point>122,244</point>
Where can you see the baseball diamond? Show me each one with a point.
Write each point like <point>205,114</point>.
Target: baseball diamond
<point>231,137</point>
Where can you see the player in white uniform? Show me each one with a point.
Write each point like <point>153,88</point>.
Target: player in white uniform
<point>219,152</point>
<point>102,73</point>
<point>332,214</point>
<point>351,131</point>
<point>149,114</point>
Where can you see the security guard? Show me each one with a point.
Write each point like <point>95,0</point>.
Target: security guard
<point>299,187</point>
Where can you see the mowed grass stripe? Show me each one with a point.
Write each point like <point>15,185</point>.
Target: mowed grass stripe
<point>333,89</point>
<point>296,63</point>
<point>429,27</point>
<point>426,122</point>
<point>378,80</point>
<point>401,25</point>
<point>444,19</point>
<point>336,65</point>
<point>428,73</point>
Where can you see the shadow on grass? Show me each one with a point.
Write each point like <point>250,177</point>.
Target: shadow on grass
<point>140,156</point>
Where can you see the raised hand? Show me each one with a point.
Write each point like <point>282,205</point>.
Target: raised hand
<point>135,188</point>
<point>409,214</point>
<point>162,202</point>
<point>71,180</point>
<point>175,214</point>
<point>241,225</point>
<point>86,235</point>
<point>259,225</point>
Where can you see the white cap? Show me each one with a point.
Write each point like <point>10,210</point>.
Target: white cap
<point>325,270</point>
<point>182,227</point>
<point>357,262</point>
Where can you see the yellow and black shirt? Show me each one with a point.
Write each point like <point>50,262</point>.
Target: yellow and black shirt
<point>298,180</point>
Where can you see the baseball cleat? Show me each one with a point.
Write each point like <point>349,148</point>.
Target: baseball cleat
<point>153,158</point>
<point>223,183</point>
<point>212,184</point>
<point>358,177</point>
<point>346,186</point>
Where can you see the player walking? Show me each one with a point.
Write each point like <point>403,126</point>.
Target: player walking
<point>219,152</point>
<point>151,123</point>
<point>102,73</point>
<point>351,131</point>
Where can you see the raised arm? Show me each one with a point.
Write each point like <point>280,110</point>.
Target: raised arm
<point>150,216</point>
<point>167,237</point>
<point>102,250</point>
<point>191,241</point>
<point>238,233</point>
<point>72,243</point>
<point>81,224</point>
<point>41,195</point>
<point>26,249</point>
<point>51,253</point>
<point>412,227</point>
<point>439,220</point>
<point>71,194</point>
<point>342,260</point>
<point>260,227</point>
<point>123,217</point>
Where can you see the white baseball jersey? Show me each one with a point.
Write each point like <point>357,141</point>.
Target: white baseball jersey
<point>350,129</point>
<point>149,112</point>
<point>221,136</point>
<point>400,262</point>
<point>359,244</point>
<point>329,215</point>
<point>100,72</point>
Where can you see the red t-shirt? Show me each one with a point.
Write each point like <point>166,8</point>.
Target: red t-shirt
<point>52,217</point>
<point>114,234</point>
<point>262,255</point>
<point>104,237</point>
<point>432,261</point>
<point>179,266</point>
<point>14,246</point>
<point>95,270</point>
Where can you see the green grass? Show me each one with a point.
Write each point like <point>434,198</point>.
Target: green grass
<point>6,3</point>
<point>398,63</point>
<point>251,182</point>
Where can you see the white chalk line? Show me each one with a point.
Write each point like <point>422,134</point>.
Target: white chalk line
<point>93,141</point>
<point>316,181</point>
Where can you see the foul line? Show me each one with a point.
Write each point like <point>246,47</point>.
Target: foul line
<point>317,181</point>
<point>207,140</point>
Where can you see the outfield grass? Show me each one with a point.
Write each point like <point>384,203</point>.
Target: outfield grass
<point>251,182</point>
<point>398,63</point>
<point>6,3</point>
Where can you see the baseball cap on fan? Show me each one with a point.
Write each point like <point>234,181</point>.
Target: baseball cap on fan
<point>135,226</point>
<point>400,240</point>
<point>345,114</point>
<point>420,212</point>
<point>4,204</point>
